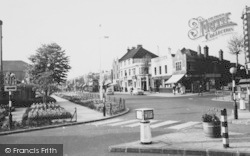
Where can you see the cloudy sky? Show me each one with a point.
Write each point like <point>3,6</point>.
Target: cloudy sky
<point>79,27</point>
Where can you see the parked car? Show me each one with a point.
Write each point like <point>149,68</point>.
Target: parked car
<point>110,91</point>
<point>138,91</point>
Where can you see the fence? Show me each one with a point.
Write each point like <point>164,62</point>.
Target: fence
<point>113,105</point>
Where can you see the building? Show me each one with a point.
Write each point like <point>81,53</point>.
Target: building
<point>115,74</point>
<point>192,69</point>
<point>162,70</point>
<point>18,67</point>
<point>135,69</point>
<point>246,31</point>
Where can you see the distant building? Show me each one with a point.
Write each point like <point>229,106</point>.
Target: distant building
<point>192,69</point>
<point>162,70</point>
<point>135,68</point>
<point>18,67</point>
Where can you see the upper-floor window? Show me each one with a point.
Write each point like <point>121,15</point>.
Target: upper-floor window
<point>166,69</point>
<point>125,73</point>
<point>121,73</point>
<point>129,72</point>
<point>159,69</point>
<point>134,71</point>
<point>125,62</point>
<point>155,71</point>
<point>178,65</point>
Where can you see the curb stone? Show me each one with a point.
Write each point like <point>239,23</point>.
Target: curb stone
<point>176,151</point>
<point>62,125</point>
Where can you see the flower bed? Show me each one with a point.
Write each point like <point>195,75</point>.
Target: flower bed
<point>92,101</point>
<point>39,114</point>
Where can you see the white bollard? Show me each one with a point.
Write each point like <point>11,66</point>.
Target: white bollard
<point>146,137</point>
<point>242,104</point>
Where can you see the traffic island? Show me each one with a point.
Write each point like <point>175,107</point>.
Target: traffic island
<point>189,142</point>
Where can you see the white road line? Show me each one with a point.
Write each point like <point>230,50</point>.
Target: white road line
<point>138,124</point>
<point>163,123</point>
<point>124,122</point>
<point>184,125</point>
<point>105,122</point>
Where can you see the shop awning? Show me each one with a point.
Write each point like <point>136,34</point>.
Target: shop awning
<point>244,81</point>
<point>174,78</point>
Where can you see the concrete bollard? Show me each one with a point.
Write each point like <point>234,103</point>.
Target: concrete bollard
<point>224,128</point>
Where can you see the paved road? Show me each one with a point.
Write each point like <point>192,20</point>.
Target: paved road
<point>95,138</point>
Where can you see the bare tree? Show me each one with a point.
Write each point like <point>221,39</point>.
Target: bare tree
<point>235,45</point>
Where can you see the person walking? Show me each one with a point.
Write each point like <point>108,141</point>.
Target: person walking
<point>174,89</point>
<point>131,91</point>
<point>200,90</point>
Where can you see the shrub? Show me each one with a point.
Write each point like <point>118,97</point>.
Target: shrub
<point>211,117</point>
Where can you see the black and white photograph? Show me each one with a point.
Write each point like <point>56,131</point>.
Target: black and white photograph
<point>124,77</point>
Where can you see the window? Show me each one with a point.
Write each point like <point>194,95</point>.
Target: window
<point>125,73</point>
<point>155,71</point>
<point>166,69</point>
<point>134,71</point>
<point>159,69</point>
<point>129,72</point>
<point>121,73</point>
<point>178,66</point>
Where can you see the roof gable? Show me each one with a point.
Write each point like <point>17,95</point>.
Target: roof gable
<point>138,52</point>
<point>16,65</point>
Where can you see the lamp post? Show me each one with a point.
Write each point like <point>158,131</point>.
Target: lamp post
<point>233,71</point>
<point>101,73</point>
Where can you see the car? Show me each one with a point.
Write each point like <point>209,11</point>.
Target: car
<point>138,91</point>
<point>110,91</point>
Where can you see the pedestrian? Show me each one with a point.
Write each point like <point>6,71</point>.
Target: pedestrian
<point>200,90</point>
<point>131,91</point>
<point>174,88</point>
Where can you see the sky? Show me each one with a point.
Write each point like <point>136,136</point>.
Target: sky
<point>95,32</point>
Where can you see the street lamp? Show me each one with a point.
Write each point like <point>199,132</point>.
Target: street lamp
<point>233,71</point>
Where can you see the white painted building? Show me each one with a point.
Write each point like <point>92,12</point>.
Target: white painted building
<point>162,70</point>
<point>135,70</point>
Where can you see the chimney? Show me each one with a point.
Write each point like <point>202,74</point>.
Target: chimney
<point>199,50</point>
<point>206,51</point>
<point>128,49</point>
<point>139,46</point>
<point>220,55</point>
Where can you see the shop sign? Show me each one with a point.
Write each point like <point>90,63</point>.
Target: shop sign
<point>211,28</point>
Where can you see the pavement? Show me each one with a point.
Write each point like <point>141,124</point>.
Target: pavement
<point>186,142</point>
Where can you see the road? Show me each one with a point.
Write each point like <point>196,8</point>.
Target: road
<point>94,139</point>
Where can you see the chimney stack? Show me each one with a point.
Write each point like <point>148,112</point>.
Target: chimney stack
<point>128,49</point>
<point>139,46</point>
<point>220,55</point>
<point>199,50</point>
<point>206,51</point>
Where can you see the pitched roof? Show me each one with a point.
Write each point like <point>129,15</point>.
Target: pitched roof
<point>15,65</point>
<point>138,52</point>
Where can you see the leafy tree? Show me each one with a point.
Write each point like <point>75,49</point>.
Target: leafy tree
<point>49,67</point>
<point>235,45</point>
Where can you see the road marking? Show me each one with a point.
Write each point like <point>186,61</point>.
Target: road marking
<point>123,122</point>
<point>163,124</point>
<point>105,122</point>
<point>138,124</point>
<point>184,125</point>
